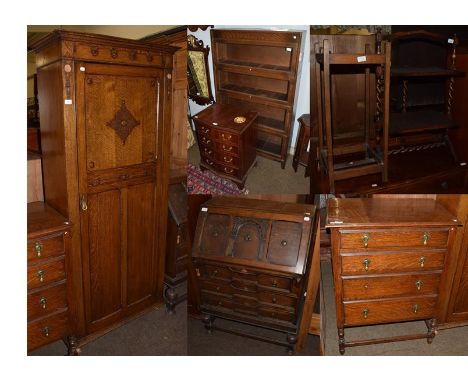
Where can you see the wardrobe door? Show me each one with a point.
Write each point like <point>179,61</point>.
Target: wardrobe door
<point>118,115</point>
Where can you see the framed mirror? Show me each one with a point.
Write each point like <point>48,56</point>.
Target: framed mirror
<point>199,84</point>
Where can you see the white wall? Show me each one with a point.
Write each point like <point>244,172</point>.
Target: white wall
<point>302,88</point>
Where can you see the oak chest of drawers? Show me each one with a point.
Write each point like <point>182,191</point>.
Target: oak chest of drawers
<point>251,260</point>
<point>389,262</point>
<point>47,254</point>
<point>177,247</point>
<point>226,140</point>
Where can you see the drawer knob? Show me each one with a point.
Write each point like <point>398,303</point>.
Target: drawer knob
<point>365,313</point>
<point>247,238</point>
<point>227,148</point>
<point>215,233</point>
<point>365,240</point>
<point>45,331</point>
<point>366,263</point>
<point>215,272</point>
<point>284,243</point>
<point>419,284</point>
<point>425,238</point>
<point>41,275</point>
<point>43,302</point>
<point>218,289</point>
<point>415,308</point>
<point>422,261</point>
<point>273,300</point>
<point>38,248</point>
<point>274,283</point>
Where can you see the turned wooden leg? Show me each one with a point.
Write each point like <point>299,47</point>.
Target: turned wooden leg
<point>72,346</point>
<point>291,339</point>
<point>207,319</point>
<point>431,330</point>
<point>341,340</point>
<point>170,296</point>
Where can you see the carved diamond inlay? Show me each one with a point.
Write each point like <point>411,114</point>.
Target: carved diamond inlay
<point>123,122</point>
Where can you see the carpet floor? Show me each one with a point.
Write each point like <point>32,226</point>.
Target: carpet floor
<point>447,342</point>
<point>153,334</point>
<point>268,177</point>
<point>218,343</point>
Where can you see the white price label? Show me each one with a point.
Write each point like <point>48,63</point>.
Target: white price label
<point>361,58</point>
<point>82,69</point>
<point>450,40</point>
<point>288,49</point>
<point>68,102</point>
<point>204,209</point>
<point>308,146</point>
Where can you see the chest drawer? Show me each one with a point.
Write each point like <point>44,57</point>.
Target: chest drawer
<point>207,151</point>
<point>394,238</point>
<point>212,272</point>
<point>387,262</point>
<point>44,248</point>
<point>276,282</point>
<point>227,138</point>
<point>227,148</point>
<point>47,301</point>
<point>373,312</point>
<point>47,330</point>
<point>277,299</point>
<point>207,141</point>
<point>277,313</point>
<point>228,170</point>
<point>228,160</point>
<point>205,130</point>
<point>45,272</point>
<point>364,288</point>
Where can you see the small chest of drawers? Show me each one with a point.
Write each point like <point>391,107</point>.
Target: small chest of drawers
<point>389,260</point>
<point>226,140</point>
<point>251,261</point>
<point>47,256</point>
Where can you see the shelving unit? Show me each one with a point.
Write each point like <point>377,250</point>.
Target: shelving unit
<point>363,152</point>
<point>423,60</point>
<point>258,71</point>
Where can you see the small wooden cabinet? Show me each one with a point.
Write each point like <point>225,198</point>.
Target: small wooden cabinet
<point>226,140</point>
<point>259,70</point>
<point>177,247</point>
<point>390,259</point>
<point>48,255</point>
<point>252,260</point>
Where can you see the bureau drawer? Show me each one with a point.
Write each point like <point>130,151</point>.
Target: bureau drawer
<point>277,299</point>
<point>47,330</point>
<point>215,287</point>
<point>275,282</point>
<point>212,272</point>
<point>390,238</point>
<point>227,148</point>
<point>47,301</point>
<point>45,273</point>
<point>395,310</point>
<point>226,302</point>
<point>277,314</point>
<point>44,248</point>
<point>387,262</point>
<point>364,288</point>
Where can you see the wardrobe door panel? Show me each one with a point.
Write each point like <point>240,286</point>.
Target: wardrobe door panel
<point>104,249</point>
<point>140,242</point>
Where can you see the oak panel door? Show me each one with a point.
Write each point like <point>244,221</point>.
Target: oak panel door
<point>118,115</point>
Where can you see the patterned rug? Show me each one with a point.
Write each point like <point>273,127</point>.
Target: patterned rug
<point>205,182</point>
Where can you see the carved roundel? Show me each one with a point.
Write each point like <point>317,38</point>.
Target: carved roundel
<point>123,122</point>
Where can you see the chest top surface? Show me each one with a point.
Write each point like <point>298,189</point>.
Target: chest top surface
<point>387,212</point>
<point>43,219</point>
<point>227,117</point>
<point>263,234</point>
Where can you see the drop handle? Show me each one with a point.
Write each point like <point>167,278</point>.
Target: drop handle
<point>45,331</point>
<point>227,159</point>
<point>415,308</point>
<point>425,238</point>
<point>365,240</point>
<point>365,313</point>
<point>366,263</point>
<point>284,243</point>
<point>41,275</point>
<point>43,302</point>
<point>422,261</point>
<point>38,249</point>
<point>227,148</point>
<point>83,203</point>
<point>419,284</point>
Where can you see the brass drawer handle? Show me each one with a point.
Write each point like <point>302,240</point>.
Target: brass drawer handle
<point>284,243</point>
<point>209,152</point>
<point>366,263</point>
<point>208,161</point>
<point>226,137</point>
<point>422,261</point>
<point>41,275</point>
<point>38,248</point>
<point>274,283</point>
<point>227,148</point>
<point>227,159</point>
<point>45,330</point>
<point>205,131</point>
<point>419,284</point>
<point>43,302</point>
<point>228,170</point>
<point>415,308</point>
<point>207,141</point>
<point>365,240</point>
<point>365,313</point>
<point>83,203</point>
<point>425,238</point>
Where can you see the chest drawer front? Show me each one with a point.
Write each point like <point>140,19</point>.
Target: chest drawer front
<point>285,240</point>
<point>46,301</point>
<point>373,312</point>
<point>207,141</point>
<point>277,314</point>
<point>44,273</point>
<point>227,138</point>
<point>207,152</point>
<point>212,272</point>
<point>362,264</point>
<point>228,170</point>
<point>44,248</point>
<point>404,238</point>
<point>47,330</point>
<point>228,160</point>
<point>205,130</point>
<point>209,161</point>
<point>226,148</point>
<point>364,288</point>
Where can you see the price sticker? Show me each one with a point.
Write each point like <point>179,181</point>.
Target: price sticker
<point>361,58</point>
